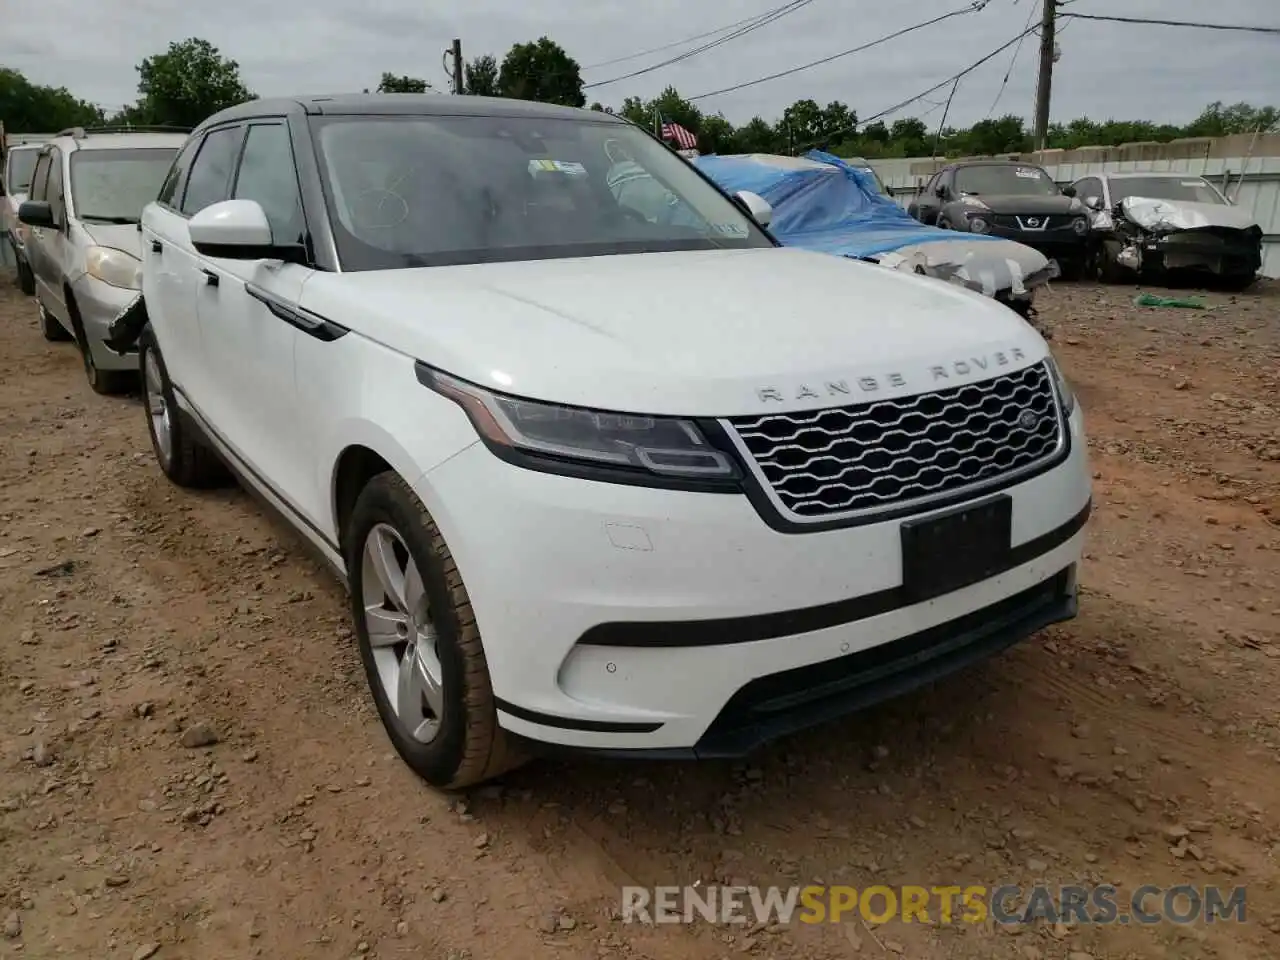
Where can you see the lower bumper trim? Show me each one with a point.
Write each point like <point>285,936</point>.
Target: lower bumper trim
<point>779,704</point>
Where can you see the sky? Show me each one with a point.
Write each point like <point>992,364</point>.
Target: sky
<point>287,47</point>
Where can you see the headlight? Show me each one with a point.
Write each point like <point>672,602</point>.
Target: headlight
<point>114,266</point>
<point>978,225</point>
<point>1080,225</point>
<point>1065,393</point>
<point>971,201</point>
<point>549,436</point>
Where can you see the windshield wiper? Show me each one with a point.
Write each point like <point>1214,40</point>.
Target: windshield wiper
<point>97,219</point>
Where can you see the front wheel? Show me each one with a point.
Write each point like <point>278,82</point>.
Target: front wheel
<point>52,330</point>
<point>419,641</point>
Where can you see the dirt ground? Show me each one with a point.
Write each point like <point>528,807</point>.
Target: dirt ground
<point>1137,744</point>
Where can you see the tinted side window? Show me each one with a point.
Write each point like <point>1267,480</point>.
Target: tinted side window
<point>53,192</point>
<point>211,173</point>
<point>268,175</point>
<point>181,163</point>
<point>40,178</point>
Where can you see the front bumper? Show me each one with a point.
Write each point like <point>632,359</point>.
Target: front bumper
<point>1225,254</point>
<point>620,618</point>
<point>100,303</point>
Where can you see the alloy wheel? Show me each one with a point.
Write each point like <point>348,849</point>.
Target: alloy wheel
<point>402,636</point>
<point>157,407</point>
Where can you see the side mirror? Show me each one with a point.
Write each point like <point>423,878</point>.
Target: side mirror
<point>238,230</point>
<point>37,213</point>
<point>940,192</point>
<point>757,206</point>
<point>1093,203</point>
<point>1068,191</point>
<point>888,190</point>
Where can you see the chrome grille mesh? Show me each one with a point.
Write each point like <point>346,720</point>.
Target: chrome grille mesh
<point>889,453</point>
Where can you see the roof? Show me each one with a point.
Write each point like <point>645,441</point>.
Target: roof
<point>407,104</point>
<point>995,162</point>
<point>119,140</point>
<point>1145,175</point>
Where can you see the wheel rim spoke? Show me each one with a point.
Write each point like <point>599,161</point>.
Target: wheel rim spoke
<point>401,636</point>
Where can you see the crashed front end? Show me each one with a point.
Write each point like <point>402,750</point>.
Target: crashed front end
<point>1167,236</point>
<point>1006,271</point>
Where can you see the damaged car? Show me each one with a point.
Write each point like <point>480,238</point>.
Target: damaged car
<point>823,203</point>
<point>1162,224</point>
<point>1010,199</point>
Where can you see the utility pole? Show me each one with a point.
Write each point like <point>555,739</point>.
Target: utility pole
<point>1045,84</point>
<point>457,66</point>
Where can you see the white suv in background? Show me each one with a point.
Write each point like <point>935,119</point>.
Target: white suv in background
<point>594,481</point>
<point>83,241</point>
<point>19,164</point>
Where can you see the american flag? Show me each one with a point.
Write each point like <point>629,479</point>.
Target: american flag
<point>683,138</point>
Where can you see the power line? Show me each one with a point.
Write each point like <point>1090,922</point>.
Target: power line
<point>924,93</point>
<point>1244,28</point>
<point>763,20</point>
<point>1012,63</point>
<point>973,7</point>
<point>676,43</point>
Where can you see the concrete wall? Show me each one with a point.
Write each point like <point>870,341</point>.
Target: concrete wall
<point>1221,161</point>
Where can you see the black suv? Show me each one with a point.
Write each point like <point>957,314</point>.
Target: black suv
<point>1016,201</point>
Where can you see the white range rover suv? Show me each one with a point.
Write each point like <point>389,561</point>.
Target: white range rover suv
<point>637,485</point>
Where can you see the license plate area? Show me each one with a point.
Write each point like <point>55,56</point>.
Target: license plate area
<point>952,550</point>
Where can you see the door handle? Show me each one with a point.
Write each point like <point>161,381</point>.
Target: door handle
<point>157,246</point>
<point>210,278</point>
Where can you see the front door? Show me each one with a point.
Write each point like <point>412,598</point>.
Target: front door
<point>247,313</point>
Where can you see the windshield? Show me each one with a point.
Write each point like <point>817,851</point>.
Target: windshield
<point>22,163</point>
<point>1190,189</point>
<point>112,186</point>
<point>423,191</point>
<point>1005,178</point>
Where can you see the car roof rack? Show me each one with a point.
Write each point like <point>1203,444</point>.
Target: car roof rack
<point>80,132</point>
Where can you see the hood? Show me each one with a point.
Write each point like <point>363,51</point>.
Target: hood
<point>1029,204</point>
<point>691,334</point>
<point>1165,216</point>
<point>120,236</point>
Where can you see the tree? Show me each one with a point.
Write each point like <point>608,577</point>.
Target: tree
<point>390,83</point>
<point>541,71</point>
<point>187,83</point>
<point>1217,120</point>
<point>26,107</point>
<point>481,76</point>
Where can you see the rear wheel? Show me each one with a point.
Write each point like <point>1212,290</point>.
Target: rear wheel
<point>26,280</point>
<point>1106,264</point>
<point>182,457</point>
<point>419,640</point>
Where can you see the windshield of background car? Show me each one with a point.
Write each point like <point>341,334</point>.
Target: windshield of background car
<point>112,186</point>
<point>1189,189</point>
<point>1007,179</point>
<point>422,191</point>
<point>22,163</point>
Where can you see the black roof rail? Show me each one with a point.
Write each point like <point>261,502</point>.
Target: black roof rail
<point>79,132</point>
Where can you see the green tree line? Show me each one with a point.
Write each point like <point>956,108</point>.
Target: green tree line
<point>192,79</point>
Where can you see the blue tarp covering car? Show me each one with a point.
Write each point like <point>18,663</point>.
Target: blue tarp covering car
<point>822,203</point>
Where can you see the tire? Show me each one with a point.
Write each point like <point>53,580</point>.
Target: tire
<point>26,279</point>
<point>53,331</point>
<point>108,383</point>
<point>1237,283</point>
<point>182,457</point>
<point>456,741</point>
<point>1108,270</point>
<point>1071,270</point>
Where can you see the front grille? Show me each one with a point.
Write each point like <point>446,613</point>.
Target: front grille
<point>825,464</point>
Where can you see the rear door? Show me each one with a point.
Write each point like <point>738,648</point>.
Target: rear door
<point>249,324</point>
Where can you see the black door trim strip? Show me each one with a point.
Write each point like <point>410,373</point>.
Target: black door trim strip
<point>309,323</point>
<point>769,626</point>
